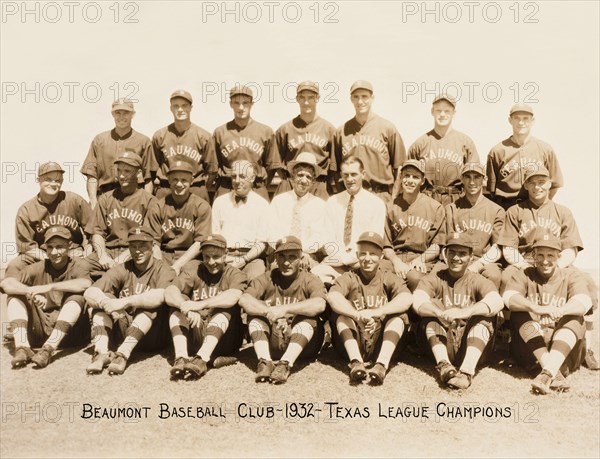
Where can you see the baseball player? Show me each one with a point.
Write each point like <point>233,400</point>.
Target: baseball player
<point>369,306</point>
<point>414,227</point>
<point>181,219</point>
<point>307,132</point>
<point>183,140</point>
<point>374,140</point>
<point>45,303</point>
<point>523,223</point>
<point>510,160</point>
<point>116,213</point>
<point>444,151</point>
<point>50,207</point>
<point>548,305</point>
<point>351,213</point>
<point>98,166</point>
<point>243,218</point>
<point>283,307</point>
<point>243,138</point>
<point>458,309</point>
<point>482,219</point>
<point>300,213</point>
<point>205,296</point>
<point>131,295</point>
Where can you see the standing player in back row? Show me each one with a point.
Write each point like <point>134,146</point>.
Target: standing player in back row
<point>444,151</point>
<point>306,133</point>
<point>509,162</point>
<point>182,140</point>
<point>243,138</point>
<point>375,140</point>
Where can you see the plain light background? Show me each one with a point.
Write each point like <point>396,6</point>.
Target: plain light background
<point>481,49</point>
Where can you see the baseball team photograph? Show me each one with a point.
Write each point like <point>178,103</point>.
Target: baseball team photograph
<point>224,254</point>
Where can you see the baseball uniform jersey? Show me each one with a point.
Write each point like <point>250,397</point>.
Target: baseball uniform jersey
<point>275,289</point>
<point>34,217</point>
<point>116,213</point>
<point>108,146</point>
<point>198,284</point>
<point>444,157</point>
<point>179,226</point>
<point>507,163</point>
<point>524,220</point>
<point>482,221</point>
<point>377,143</point>
<point>414,227</point>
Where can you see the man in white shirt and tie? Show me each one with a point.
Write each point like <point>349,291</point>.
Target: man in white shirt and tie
<point>350,213</point>
<point>300,213</point>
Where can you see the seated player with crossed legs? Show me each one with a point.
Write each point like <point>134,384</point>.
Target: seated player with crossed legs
<point>131,295</point>
<point>205,297</point>
<point>369,306</point>
<point>283,307</point>
<point>548,305</point>
<point>458,309</point>
<point>45,302</point>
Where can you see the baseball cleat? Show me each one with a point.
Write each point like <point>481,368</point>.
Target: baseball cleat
<point>541,383</point>
<point>460,381</point>
<point>223,361</point>
<point>264,370</point>
<point>22,357</point>
<point>178,368</point>
<point>99,362</point>
<point>358,372</point>
<point>559,383</point>
<point>446,370</point>
<point>590,360</point>
<point>281,372</point>
<point>118,365</point>
<point>196,367</point>
<point>42,357</point>
<point>377,373</point>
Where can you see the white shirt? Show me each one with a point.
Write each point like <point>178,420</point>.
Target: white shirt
<point>313,219</point>
<point>242,224</point>
<point>368,215</point>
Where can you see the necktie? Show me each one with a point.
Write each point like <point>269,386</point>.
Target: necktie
<point>348,221</point>
<point>239,199</point>
<point>296,226</point>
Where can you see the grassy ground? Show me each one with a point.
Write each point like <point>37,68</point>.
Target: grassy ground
<point>42,412</point>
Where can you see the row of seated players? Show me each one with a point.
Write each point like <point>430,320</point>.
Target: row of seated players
<point>413,224</point>
<point>452,311</point>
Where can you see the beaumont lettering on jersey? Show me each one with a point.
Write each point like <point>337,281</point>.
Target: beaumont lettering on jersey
<point>522,163</point>
<point>444,153</point>
<point>370,302</point>
<point>182,150</point>
<point>57,220</point>
<point>547,299</point>
<point>205,293</point>
<point>473,224</point>
<point>364,140</point>
<point>125,213</point>
<point>544,223</point>
<point>279,301</point>
<point>413,220</point>
<point>247,142</point>
<point>457,300</point>
<point>307,137</point>
<point>138,289</point>
<point>179,222</point>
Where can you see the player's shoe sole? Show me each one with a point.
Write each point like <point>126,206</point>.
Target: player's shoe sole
<point>99,362</point>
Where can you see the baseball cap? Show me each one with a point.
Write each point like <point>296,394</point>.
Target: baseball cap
<point>417,163</point>
<point>180,166</point>
<point>372,238</point>
<point>521,108</point>
<point>129,157</point>
<point>288,243</point>
<point>240,89</point>
<point>536,169</point>
<point>361,84</point>
<point>48,167</point>
<point>306,157</point>
<point>183,94</point>
<point>308,86</point>
<point>473,167</point>
<point>214,240</point>
<point>140,233</point>
<point>448,98</point>
<point>460,239</point>
<point>547,240</point>
<point>122,104</point>
<point>57,231</point>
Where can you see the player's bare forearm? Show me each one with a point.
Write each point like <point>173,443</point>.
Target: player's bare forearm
<point>11,286</point>
<point>92,189</point>
<point>257,249</point>
<point>189,255</point>
<point>37,253</point>
<point>428,309</point>
<point>489,306</point>
<point>577,305</point>
<point>513,257</point>
<point>516,302</point>
<point>99,244</point>
<point>567,257</point>
<point>225,300</point>
<point>253,306</point>
<point>149,186</point>
<point>341,305</point>
<point>123,257</point>
<point>94,296</point>
<point>310,307</point>
<point>151,299</point>
<point>431,253</point>
<point>173,296</point>
<point>399,304</point>
<point>492,255</point>
<point>71,286</point>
